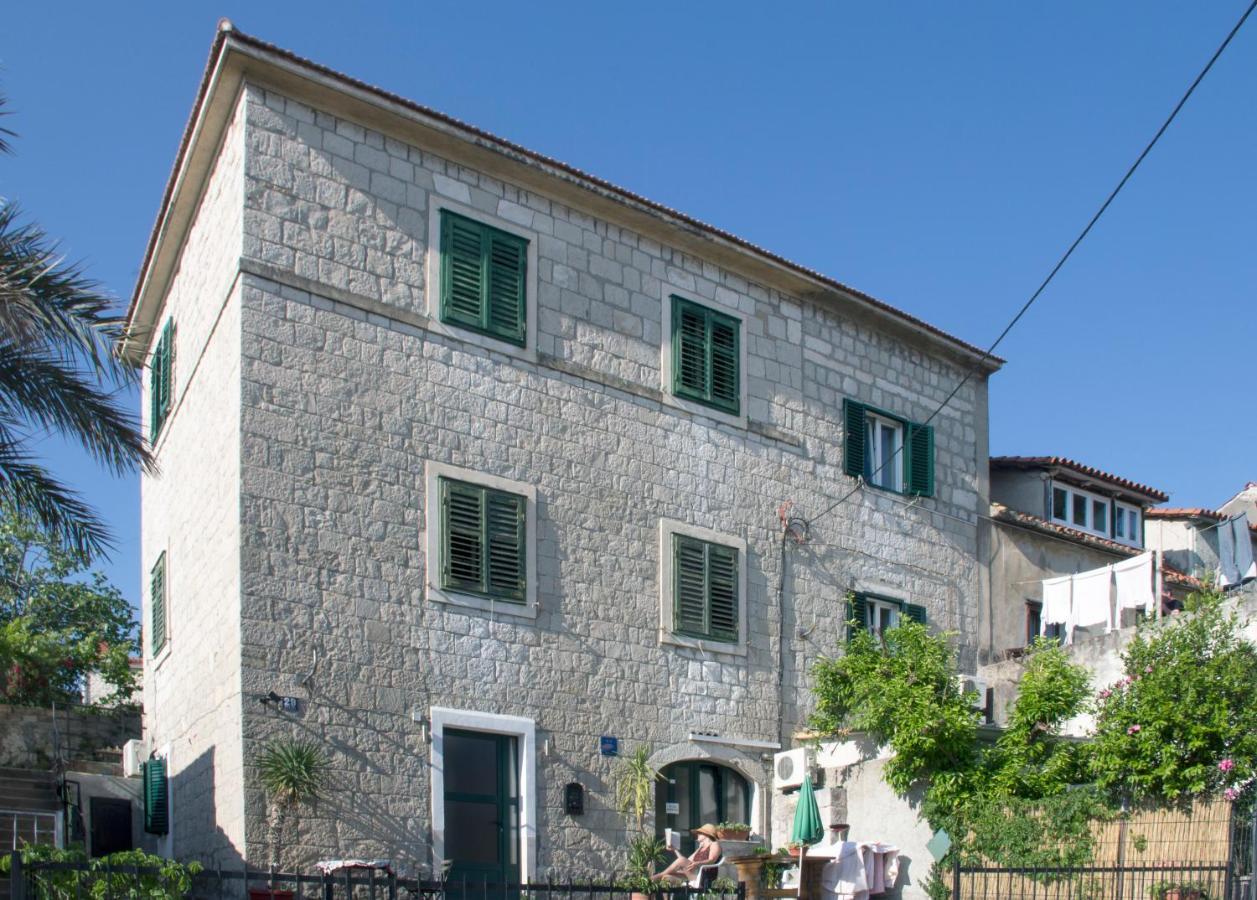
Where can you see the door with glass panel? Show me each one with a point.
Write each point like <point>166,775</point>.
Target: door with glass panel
<point>695,793</point>
<point>481,806</point>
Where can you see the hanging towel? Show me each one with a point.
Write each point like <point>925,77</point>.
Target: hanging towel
<point>881,867</point>
<point>1242,538</point>
<point>1132,580</point>
<point>1057,602</point>
<point>843,877</point>
<point>1228,574</point>
<point>1092,598</point>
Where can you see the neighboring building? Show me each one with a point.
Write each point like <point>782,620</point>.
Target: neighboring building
<point>1189,536</point>
<point>98,692</point>
<point>1052,516</point>
<point>479,458</point>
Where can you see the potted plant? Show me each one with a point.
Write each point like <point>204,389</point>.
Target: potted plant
<point>723,885</point>
<point>293,772</point>
<point>733,831</point>
<point>793,849</point>
<point>1179,890</point>
<point>634,798</point>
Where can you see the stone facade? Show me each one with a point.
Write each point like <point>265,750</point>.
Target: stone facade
<point>292,498</point>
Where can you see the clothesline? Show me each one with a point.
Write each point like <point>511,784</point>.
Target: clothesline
<point>1097,596</point>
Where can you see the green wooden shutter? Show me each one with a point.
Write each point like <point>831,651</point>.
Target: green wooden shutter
<point>853,419</point>
<point>156,797</point>
<point>723,340</point>
<point>462,536</point>
<point>858,613</point>
<point>157,606</point>
<point>689,578</point>
<point>159,380</point>
<point>483,278</point>
<point>689,350</point>
<point>914,612</point>
<point>920,468</point>
<point>504,545</point>
<point>722,592</point>
<point>507,264</point>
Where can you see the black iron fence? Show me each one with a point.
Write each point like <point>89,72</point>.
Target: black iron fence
<point>1169,881</point>
<point>44,880</point>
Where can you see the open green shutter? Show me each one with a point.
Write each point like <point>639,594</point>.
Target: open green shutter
<point>722,592</point>
<point>507,263</point>
<point>915,612</point>
<point>159,386</point>
<point>156,797</point>
<point>157,606</point>
<point>920,460</point>
<point>858,613</point>
<point>462,271</point>
<point>689,350</point>
<point>504,545</point>
<point>462,536</point>
<point>854,450</point>
<point>689,577</point>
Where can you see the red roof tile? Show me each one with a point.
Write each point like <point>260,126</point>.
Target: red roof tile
<point>1061,462</point>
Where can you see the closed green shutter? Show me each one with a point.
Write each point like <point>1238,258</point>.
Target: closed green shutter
<point>483,278</point>
<point>705,589</point>
<point>853,420</point>
<point>156,797</point>
<point>706,356</point>
<point>914,612</point>
<point>159,381</point>
<point>483,541</point>
<point>858,614</point>
<point>157,606</point>
<point>920,460</point>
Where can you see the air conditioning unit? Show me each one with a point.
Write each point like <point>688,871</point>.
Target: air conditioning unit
<point>792,766</point>
<point>132,757</point>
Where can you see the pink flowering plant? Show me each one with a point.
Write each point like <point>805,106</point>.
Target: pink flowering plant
<point>1182,721</point>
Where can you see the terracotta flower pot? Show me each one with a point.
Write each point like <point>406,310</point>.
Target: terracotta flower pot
<point>733,834</point>
<point>261,893</point>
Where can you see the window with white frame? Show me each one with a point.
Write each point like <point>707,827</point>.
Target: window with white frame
<point>1081,509</point>
<point>1126,524</point>
<point>883,461</point>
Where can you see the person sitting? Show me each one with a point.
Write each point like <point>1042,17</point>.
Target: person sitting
<point>682,869</point>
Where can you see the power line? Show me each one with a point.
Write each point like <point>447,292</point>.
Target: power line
<point>1056,268</point>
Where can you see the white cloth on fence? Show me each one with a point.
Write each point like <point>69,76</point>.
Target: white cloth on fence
<point>1093,599</point>
<point>1132,581</point>
<point>1242,538</point>
<point>843,877</point>
<point>881,867</point>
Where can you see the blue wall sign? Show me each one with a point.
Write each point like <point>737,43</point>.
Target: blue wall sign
<point>609,746</point>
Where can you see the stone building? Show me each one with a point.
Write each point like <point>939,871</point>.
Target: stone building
<point>483,462</point>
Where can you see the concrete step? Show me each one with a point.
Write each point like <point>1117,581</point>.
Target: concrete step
<point>28,789</point>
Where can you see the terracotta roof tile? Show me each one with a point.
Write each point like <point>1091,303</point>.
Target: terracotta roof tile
<point>1061,462</point>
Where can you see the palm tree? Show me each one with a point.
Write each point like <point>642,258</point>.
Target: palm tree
<point>59,371</point>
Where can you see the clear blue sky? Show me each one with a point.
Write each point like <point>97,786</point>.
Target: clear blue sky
<point>939,156</point>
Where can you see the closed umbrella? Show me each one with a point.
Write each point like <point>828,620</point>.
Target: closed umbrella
<point>807,827</point>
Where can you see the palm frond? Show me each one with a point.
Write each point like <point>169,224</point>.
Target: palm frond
<point>292,770</point>
<point>32,492</point>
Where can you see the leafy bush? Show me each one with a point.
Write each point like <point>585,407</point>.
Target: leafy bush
<point>165,879</point>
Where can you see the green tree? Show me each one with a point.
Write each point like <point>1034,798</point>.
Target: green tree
<point>58,621</point>
<point>59,372</point>
<point>1183,720</point>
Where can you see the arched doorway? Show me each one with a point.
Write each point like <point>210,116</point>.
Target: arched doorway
<point>696,791</point>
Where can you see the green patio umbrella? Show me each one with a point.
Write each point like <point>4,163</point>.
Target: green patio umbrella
<point>807,827</point>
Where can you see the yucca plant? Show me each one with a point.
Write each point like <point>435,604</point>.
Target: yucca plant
<point>292,771</point>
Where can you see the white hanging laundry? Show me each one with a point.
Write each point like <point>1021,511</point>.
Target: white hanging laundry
<point>1093,599</point>
<point>1057,600</point>
<point>1227,572</point>
<point>1242,538</point>
<point>1132,581</point>
<point>843,877</point>
<point>881,867</point>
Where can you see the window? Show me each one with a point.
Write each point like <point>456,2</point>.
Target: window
<point>1081,509</point>
<point>887,451</point>
<point>704,589</point>
<point>1126,524</point>
<point>159,381</point>
<point>483,541</point>
<point>483,283</point>
<point>1034,620</point>
<point>692,793</point>
<point>877,615</point>
<point>157,604</point>
<point>705,356</point>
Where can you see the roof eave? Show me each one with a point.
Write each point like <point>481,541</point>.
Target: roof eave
<point>236,57</point>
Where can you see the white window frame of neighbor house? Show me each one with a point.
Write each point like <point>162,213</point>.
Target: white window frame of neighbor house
<point>667,290</point>
<point>525,731</point>
<point>873,607</point>
<point>432,279</point>
<point>1090,499</point>
<point>431,541</point>
<point>1133,516</point>
<point>891,476</point>
<point>667,528</point>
